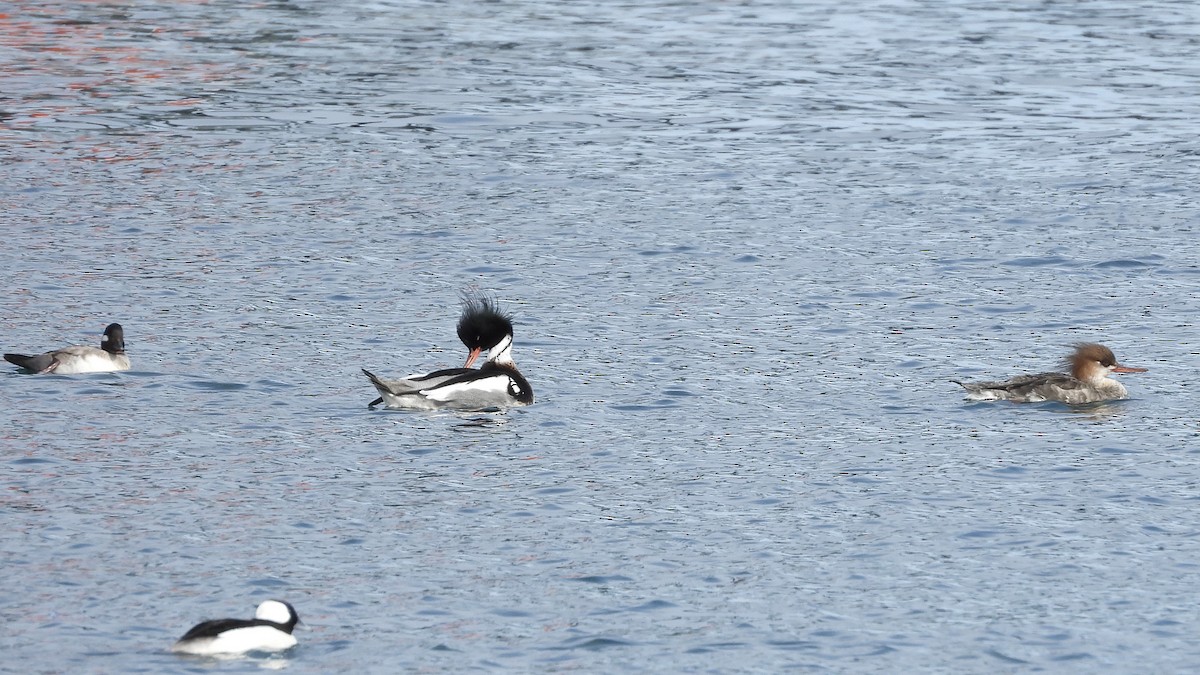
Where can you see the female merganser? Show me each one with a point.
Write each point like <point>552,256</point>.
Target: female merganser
<point>497,384</point>
<point>108,358</point>
<point>1088,381</point>
<point>269,631</point>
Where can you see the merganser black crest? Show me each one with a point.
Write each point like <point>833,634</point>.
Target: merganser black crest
<point>482,324</point>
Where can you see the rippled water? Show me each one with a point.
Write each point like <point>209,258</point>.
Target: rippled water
<point>747,245</point>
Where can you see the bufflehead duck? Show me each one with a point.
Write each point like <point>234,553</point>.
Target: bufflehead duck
<point>1088,382</point>
<point>269,631</point>
<point>108,358</point>
<point>497,384</point>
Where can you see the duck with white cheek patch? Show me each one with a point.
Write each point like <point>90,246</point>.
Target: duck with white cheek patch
<point>110,357</point>
<point>269,631</point>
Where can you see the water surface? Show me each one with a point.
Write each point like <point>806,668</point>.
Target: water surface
<point>747,245</point>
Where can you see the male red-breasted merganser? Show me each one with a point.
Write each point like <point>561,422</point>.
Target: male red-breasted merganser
<point>1088,382</point>
<point>269,631</point>
<point>108,358</point>
<point>497,384</point>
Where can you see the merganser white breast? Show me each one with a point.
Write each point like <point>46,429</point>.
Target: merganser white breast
<point>1087,382</point>
<point>269,631</point>
<point>497,384</point>
<point>110,357</point>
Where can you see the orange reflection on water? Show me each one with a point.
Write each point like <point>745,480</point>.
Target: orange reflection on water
<point>68,59</point>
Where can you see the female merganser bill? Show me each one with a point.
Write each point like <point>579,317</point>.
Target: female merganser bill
<point>269,631</point>
<point>497,384</point>
<point>108,358</point>
<point>1088,382</point>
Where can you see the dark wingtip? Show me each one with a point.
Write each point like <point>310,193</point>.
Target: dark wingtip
<point>375,381</point>
<point>35,364</point>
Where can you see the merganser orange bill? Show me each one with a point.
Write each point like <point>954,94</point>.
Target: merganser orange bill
<point>1088,382</point>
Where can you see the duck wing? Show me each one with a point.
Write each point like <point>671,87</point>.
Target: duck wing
<point>1029,388</point>
<point>38,364</point>
<point>215,627</point>
<point>412,384</point>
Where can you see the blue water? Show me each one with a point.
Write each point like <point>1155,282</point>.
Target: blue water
<point>746,245</point>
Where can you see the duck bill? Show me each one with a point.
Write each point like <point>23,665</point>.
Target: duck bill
<point>472,356</point>
<point>1125,369</point>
